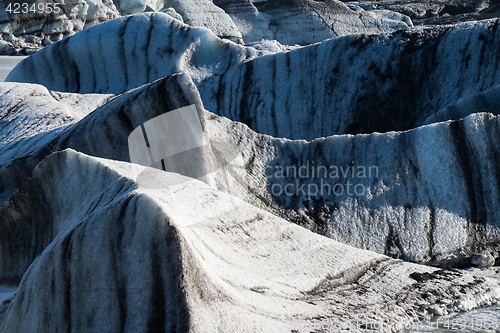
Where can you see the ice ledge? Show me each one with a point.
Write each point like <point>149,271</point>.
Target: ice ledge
<point>190,257</point>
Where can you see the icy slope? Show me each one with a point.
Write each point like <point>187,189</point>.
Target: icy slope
<point>426,194</point>
<point>30,132</point>
<point>421,195</point>
<point>128,52</point>
<point>486,101</point>
<point>32,116</point>
<point>354,84</point>
<point>305,22</point>
<point>105,255</point>
<point>360,84</point>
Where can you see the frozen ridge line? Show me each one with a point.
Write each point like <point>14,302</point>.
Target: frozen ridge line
<point>175,258</point>
<point>427,194</point>
<point>184,256</point>
<point>26,30</point>
<point>365,83</point>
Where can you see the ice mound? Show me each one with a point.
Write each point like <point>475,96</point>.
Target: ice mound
<point>128,52</point>
<point>365,83</point>
<point>427,194</point>
<point>307,22</point>
<point>106,255</point>
<point>421,195</point>
<point>103,132</point>
<point>26,30</point>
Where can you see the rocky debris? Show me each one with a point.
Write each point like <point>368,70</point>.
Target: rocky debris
<point>456,19</point>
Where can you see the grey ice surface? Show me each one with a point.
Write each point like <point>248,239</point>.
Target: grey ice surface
<point>6,65</point>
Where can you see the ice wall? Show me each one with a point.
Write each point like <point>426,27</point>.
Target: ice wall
<point>106,255</point>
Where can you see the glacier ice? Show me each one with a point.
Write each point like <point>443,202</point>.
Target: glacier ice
<point>56,125</point>
<point>107,255</point>
<point>361,83</point>
<point>25,30</point>
<point>365,83</point>
<point>421,195</point>
<point>102,59</point>
<point>112,245</point>
<point>204,13</point>
<point>483,259</point>
<point>298,22</point>
<point>431,182</point>
<point>307,22</point>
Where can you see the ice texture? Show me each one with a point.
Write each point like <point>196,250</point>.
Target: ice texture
<point>107,255</point>
<point>348,85</point>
